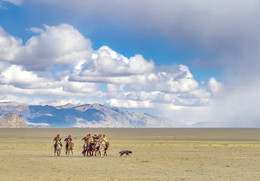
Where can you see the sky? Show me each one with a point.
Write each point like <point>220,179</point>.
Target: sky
<point>191,61</point>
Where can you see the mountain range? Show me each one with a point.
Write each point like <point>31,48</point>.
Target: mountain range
<point>87,115</point>
<point>12,120</point>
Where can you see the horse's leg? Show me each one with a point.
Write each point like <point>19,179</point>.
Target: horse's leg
<point>88,151</point>
<point>55,150</point>
<point>85,152</point>
<point>101,151</point>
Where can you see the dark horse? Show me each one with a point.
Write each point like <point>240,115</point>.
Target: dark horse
<point>88,149</point>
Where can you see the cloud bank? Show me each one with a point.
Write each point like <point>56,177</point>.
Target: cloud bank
<point>58,65</point>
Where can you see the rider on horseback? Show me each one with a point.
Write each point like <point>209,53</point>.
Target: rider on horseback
<point>56,139</point>
<point>104,138</point>
<point>68,139</point>
<point>95,138</point>
<point>87,139</point>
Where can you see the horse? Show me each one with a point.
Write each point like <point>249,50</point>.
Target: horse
<point>102,149</point>
<point>84,149</point>
<point>57,148</point>
<point>91,149</point>
<point>69,148</point>
<point>88,149</point>
<point>106,148</point>
<point>96,148</point>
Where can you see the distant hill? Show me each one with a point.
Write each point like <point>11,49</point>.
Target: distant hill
<point>12,120</point>
<point>87,115</point>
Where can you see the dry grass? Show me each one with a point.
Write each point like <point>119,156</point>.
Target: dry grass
<point>158,154</point>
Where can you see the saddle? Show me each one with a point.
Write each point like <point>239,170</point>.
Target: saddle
<point>56,143</point>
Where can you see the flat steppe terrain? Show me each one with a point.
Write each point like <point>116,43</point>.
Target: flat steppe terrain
<point>158,154</point>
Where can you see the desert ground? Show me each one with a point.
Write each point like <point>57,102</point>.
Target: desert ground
<point>158,154</point>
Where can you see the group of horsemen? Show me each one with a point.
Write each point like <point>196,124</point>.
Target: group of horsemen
<point>89,140</point>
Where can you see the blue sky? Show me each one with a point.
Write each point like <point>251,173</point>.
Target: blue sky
<point>166,57</point>
<point>122,38</point>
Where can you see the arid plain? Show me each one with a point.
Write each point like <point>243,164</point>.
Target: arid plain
<point>158,154</point>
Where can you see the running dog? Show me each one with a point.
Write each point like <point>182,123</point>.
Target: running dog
<point>126,152</point>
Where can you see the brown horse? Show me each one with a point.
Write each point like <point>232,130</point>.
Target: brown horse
<point>84,149</point>
<point>88,149</point>
<point>69,148</point>
<point>57,148</point>
<point>106,148</point>
<point>91,149</point>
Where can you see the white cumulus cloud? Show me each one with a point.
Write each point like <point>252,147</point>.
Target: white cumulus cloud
<point>107,62</point>
<point>61,45</point>
<point>9,46</point>
<point>16,75</point>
